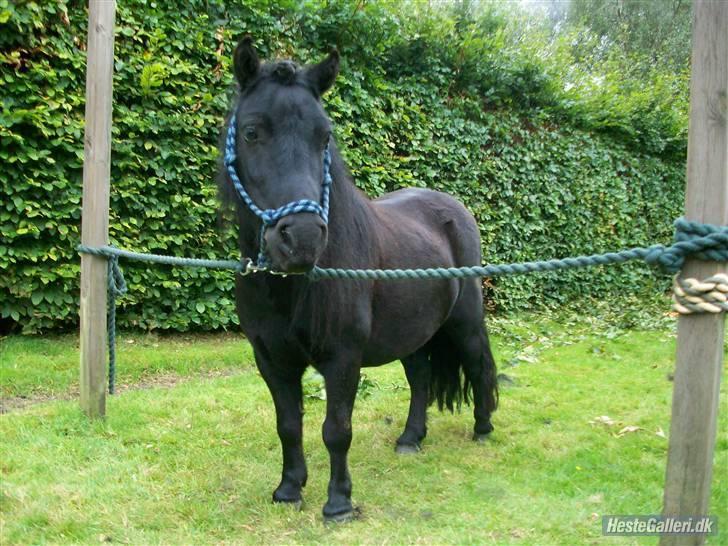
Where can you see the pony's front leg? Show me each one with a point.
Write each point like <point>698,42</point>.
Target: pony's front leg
<point>285,388</point>
<point>342,380</point>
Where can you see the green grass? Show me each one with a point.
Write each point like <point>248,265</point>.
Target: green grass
<point>47,366</point>
<point>195,461</point>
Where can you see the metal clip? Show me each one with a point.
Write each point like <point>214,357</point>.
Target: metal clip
<point>251,267</point>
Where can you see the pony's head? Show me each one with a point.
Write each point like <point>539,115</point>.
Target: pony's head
<point>281,136</point>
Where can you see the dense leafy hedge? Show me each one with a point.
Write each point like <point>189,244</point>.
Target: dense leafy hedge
<point>414,105</point>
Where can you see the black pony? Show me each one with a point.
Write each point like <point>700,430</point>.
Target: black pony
<point>281,138</point>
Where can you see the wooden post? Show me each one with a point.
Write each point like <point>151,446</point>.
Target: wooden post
<point>95,213</point>
<point>700,337</point>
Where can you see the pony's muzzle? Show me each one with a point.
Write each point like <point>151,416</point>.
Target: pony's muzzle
<point>296,242</point>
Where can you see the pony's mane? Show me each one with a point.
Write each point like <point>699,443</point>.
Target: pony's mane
<point>281,72</point>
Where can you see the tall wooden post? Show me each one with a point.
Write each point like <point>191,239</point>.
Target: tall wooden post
<point>95,213</point>
<point>700,337</point>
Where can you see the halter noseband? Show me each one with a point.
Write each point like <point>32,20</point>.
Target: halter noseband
<point>271,216</point>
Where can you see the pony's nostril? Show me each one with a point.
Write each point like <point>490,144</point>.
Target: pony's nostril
<point>285,235</point>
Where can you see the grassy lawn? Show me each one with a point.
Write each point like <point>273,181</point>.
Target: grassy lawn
<point>189,454</point>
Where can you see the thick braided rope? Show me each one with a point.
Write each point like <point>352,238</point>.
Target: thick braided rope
<point>112,251</point>
<point>702,241</point>
<point>116,287</point>
<point>649,254</point>
<point>707,296</point>
<point>117,284</point>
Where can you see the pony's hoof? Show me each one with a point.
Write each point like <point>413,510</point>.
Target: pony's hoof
<point>482,431</point>
<point>481,437</point>
<point>407,449</point>
<point>296,503</point>
<point>342,517</point>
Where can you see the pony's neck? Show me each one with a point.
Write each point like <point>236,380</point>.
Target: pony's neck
<point>352,238</point>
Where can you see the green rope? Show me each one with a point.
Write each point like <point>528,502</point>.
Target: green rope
<point>692,239</point>
<point>111,251</point>
<point>116,287</point>
<point>701,241</point>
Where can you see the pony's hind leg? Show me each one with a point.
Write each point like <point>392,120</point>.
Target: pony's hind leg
<point>480,371</point>
<point>466,331</point>
<point>417,368</point>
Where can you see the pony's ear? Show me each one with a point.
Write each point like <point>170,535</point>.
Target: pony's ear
<point>245,61</point>
<point>322,75</point>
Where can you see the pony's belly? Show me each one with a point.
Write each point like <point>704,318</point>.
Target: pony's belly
<point>405,315</point>
<point>384,355</point>
<point>396,344</point>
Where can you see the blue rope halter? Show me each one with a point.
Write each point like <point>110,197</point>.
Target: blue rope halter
<point>271,216</point>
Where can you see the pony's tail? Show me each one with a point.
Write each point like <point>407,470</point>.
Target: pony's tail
<point>489,370</point>
<point>449,385</point>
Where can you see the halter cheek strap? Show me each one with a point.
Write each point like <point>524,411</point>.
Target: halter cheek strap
<point>271,216</point>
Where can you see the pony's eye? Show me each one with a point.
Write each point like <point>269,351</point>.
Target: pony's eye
<point>250,134</point>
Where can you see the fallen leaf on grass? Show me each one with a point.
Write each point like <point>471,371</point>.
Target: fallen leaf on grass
<point>660,433</point>
<point>609,422</point>
<point>627,430</point>
<point>527,358</point>
<point>603,420</point>
<point>596,498</point>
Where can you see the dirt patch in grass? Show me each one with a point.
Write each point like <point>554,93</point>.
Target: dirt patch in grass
<point>10,404</point>
<point>16,403</point>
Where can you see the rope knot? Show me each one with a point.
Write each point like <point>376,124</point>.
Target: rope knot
<point>708,296</point>
<point>694,240</point>
<point>117,283</point>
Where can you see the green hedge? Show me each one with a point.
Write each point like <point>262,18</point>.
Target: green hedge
<point>541,181</point>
